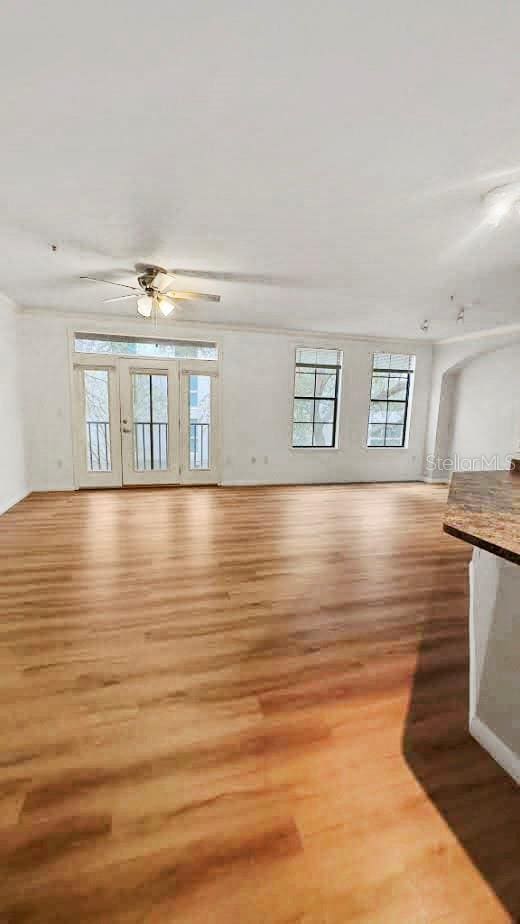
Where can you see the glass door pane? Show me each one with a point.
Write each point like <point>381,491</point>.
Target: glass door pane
<point>97,420</point>
<point>150,415</point>
<point>199,424</point>
<point>199,399</point>
<point>150,421</point>
<point>96,427</point>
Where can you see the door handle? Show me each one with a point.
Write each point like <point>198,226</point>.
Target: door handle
<point>125,430</point>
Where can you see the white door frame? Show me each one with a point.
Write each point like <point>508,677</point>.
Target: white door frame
<point>85,478</point>
<point>179,471</point>
<point>170,368</point>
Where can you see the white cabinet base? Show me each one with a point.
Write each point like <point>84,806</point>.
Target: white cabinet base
<point>508,760</point>
<point>494,630</point>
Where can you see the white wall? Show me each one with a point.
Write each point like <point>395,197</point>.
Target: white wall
<point>448,360</point>
<point>486,409</point>
<point>12,463</point>
<point>47,404</point>
<point>257,376</point>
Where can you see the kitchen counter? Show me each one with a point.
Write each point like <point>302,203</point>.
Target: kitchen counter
<point>484,510</point>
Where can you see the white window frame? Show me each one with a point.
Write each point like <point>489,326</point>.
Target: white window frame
<point>295,346</point>
<point>393,449</point>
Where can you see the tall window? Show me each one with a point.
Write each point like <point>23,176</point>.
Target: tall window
<point>316,390</point>
<point>389,399</point>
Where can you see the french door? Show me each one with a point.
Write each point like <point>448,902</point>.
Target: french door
<point>149,397</point>
<point>96,427</point>
<point>145,422</point>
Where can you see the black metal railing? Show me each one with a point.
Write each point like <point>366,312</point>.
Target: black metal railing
<point>98,446</point>
<point>199,445</point>
<point>150,446</point>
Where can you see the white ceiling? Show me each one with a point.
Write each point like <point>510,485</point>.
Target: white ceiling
<point>344,144</point>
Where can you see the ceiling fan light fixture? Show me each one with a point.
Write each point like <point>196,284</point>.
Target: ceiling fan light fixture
<point>155,292</point>
<point>144,306</point>
<point>166,307</point>
<point>163,281</point>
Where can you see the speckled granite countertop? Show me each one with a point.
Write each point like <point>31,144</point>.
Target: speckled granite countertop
<point>484,509</point>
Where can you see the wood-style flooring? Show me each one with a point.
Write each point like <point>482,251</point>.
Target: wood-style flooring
<point>244,706</point>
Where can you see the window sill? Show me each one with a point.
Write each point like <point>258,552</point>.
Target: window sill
<point>314,448</point>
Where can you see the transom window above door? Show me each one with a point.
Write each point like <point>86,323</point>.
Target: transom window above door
<point>144,347</point>
<point>316,391</point>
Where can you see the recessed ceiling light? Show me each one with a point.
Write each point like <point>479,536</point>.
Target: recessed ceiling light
<point>499,201</point>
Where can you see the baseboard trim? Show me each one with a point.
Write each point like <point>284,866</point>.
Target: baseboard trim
<point>275,484</point>
<point>12,501</point>
<point>52,489</point>
<point>508,760</point>
<point>296,484</point>
<point>238,484</point>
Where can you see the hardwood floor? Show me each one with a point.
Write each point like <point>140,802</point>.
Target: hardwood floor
<point>243,706</point>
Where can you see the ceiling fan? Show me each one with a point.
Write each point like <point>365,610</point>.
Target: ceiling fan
<point>156,291</point>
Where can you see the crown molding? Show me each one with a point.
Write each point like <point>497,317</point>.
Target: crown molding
<point>97,318</point>
<point>170,324</point>
<point>501,330</point>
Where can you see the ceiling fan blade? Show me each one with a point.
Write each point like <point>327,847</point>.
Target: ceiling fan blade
<point>190,296</point>
<point>253,278</point>
<point>108,282</point>
<point>119,298</point>
<point>163,281</point>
